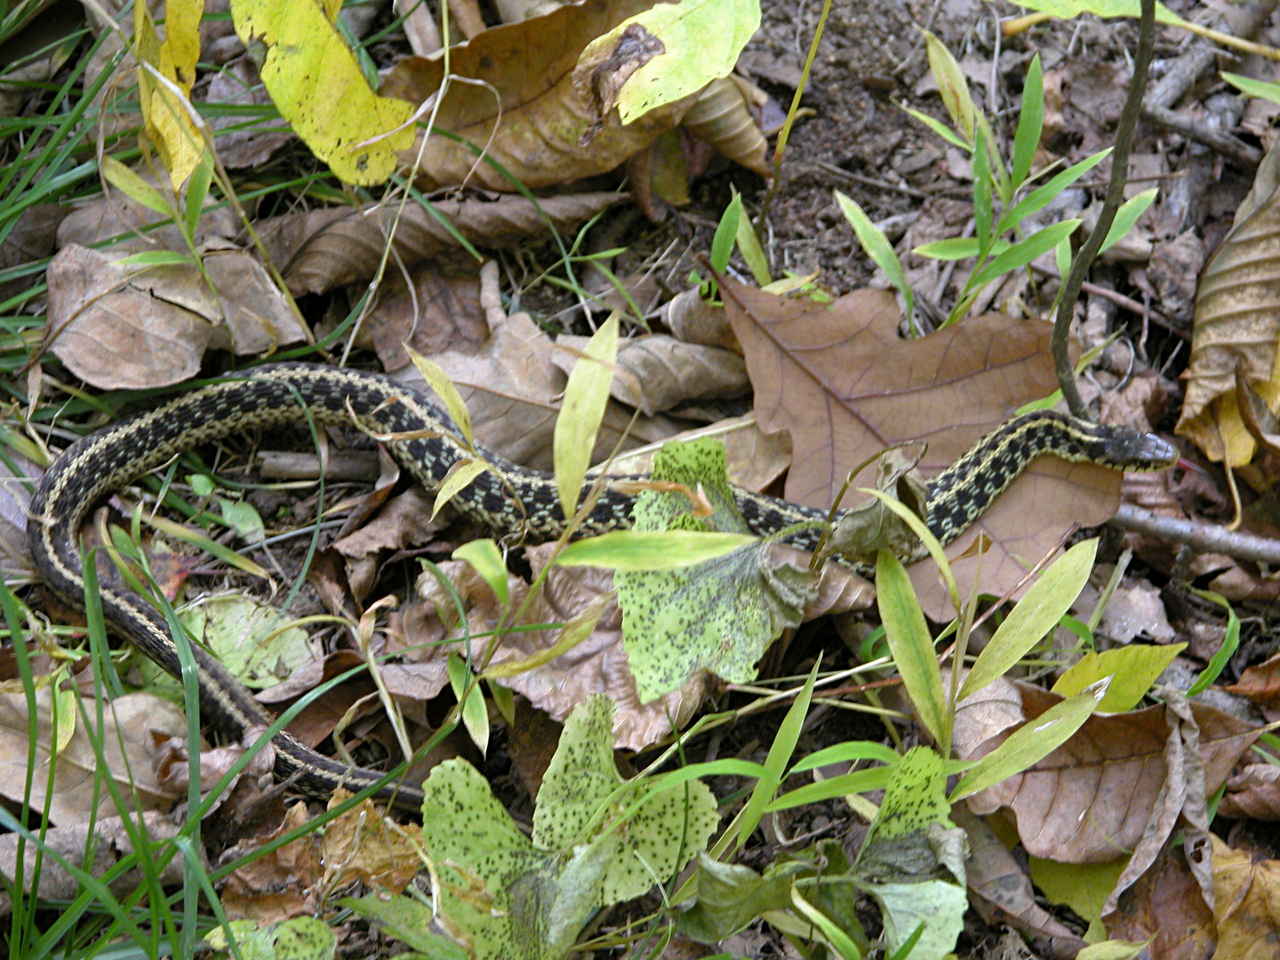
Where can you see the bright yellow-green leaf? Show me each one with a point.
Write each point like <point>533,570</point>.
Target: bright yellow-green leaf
<point>1035,615</point>
<point>1133,669</point>
<point>585,398</point>
<point>951,85</point>
<point>458,478</point>
<point>474,715</point>
<point>1067,9</point>
<point>439,381</point>
<point>686,44</point>
<point>485,557</point>
<point>1030,743</point>
<point>317,85</point>
<point>134,187</point>
<point>166,112</point>
<point>911,645</point>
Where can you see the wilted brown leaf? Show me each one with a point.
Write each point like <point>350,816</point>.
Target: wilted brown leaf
<point>123,328</point>
<point>1119,782</point>
<point>721,116</point>
<point>364,846</point>
<point>534,110</point>
<point>1237,330</point>
<point>1167,907</point>
<point>284,883</point>
<point>322,249</point>
<point>126,742</point>
<point>1246,902</point>
<point>841,382</point>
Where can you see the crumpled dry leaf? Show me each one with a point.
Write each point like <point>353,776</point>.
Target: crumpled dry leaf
<point>1113,786</point>
<point>1244,883</point>
<point>1002,889</point>
<point>322,249</point>
<point>535,110</point>
<point>721,115</point>
<point>839,380</point>
<point>364,845</point>
<point>287,882</point>
<point>120,328</point>
<point>129,721</point>
<point>1237,329</point>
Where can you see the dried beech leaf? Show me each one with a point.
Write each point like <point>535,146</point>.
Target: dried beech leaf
<point>1237,333</point>
<point>535,110</point>
<point>721,116</point>
<point>323,249</point>
<point>845,387</point>
<point>1103,791</point>
<point>443,312</point>
<point>658,372</point>
<point>1167,907</point>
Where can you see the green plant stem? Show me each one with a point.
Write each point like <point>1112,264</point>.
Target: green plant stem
<point>1115,196</point>
<point>785,133</point>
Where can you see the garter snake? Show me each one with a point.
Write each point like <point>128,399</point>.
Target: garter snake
<point>510,499</point>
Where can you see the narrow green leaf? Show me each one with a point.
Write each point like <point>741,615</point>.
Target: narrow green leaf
<point>134,187</point>
<point>1262,89</point>
<point>585,398</point>
<point>475,717</point>
<point>726,233</point>
<point>912,646</point>
<point>197,192</point>
<point>1023,252</point>
<point>157,258</point>
<point>1042,196</point>
<point>459,477</point>
<point>1133,670</point>
<point>1030,122</point>
<point>951,85</point>
<point>753,252</point>
<point>1033,616</point>
<point>439,381</point>
<point>982,211</point>
<point>775,764</point>
<point>878,248</point>
<point>485,557</point>
<point>1030,743</point>
<point>938,127</point>
<point>952,248</point>
<point>1062,257</point>
<point>1128,215</point>
<point>1226,650</point>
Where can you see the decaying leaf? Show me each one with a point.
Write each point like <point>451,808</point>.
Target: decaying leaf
<point>286,882</point>
<point>126,741</point>
<point>839,380</point>
<point>131,328</point>
<point>1237,327</point>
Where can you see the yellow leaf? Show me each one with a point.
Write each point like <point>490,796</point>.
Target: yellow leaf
<point>165,109</point>
<point>317,85</point>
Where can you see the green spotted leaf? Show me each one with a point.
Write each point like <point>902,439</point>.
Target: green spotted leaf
<point>719,615</point>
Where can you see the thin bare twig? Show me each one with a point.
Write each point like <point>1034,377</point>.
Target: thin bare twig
<point>1205,537</point>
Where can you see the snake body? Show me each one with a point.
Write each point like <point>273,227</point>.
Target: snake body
<point>511,500</point>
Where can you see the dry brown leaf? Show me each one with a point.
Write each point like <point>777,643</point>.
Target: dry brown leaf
<point>528,104</point>
<point>1253,793</point>
<point>121,328</point>
<point>284,883</point>
<point>1115,785</point>
<point>364,846</point>
<point>1237,326</point>
<point>690,318</point>
<point>845,387</point>
<point>126,742</point>
<point>32,238</point>
<point>110,842</point>
<point>242,146</point>
<point>721,116</point>
<point>1003,891</point>
<point>322,249</point>
<point>1166,906</point>
<point>657,372</point>
<point>443,311</point>
<point>1247,905</point>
